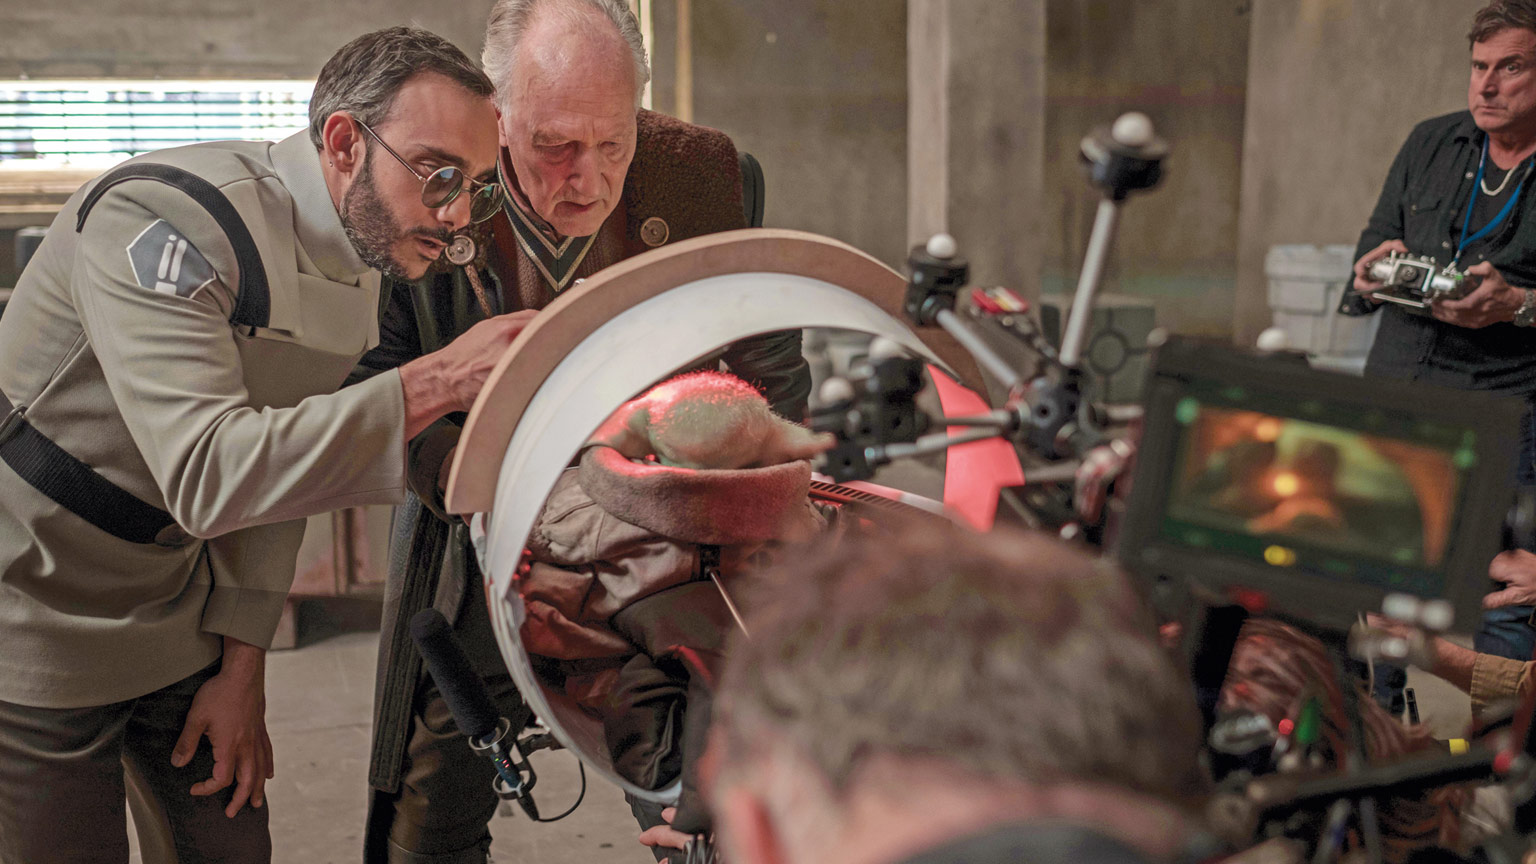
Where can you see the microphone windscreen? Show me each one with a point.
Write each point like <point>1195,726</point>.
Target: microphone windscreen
<point>462,688</point>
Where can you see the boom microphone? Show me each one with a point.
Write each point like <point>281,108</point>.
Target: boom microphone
<point>473,711</point>
<point>462,688</point>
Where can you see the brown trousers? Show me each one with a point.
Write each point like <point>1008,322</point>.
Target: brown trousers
<point>63,793</point>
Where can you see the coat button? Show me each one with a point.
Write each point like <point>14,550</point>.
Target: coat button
<point>1469,175</point>
<point>1445,244</point>
<point>654,231</point>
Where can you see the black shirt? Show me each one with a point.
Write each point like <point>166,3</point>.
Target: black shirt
<point>1031,843</point>
<point>1423,203</point>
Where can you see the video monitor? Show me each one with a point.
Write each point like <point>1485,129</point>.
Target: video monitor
<point>1322,491</point>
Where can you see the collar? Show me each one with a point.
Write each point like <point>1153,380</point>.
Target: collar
<point>725,507</point>
<point>316,223</point>
<point>1466,130</point>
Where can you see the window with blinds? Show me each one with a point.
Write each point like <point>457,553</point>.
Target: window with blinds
<point>97,122</point>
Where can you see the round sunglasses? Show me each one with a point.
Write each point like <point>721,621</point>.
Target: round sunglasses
<point>439,188</point>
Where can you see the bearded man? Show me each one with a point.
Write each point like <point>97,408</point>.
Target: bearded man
<point>168,368</point>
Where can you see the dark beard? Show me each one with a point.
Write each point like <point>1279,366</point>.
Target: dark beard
<point>373,229</point>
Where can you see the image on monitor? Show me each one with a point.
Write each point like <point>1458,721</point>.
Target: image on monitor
<point>1321,493</point>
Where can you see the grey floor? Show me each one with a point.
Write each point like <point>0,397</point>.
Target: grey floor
<point>319,701</point>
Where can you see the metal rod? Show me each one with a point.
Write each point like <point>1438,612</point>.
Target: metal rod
<point>1055,472</point>
<point>1123,413</point>
<point>714,573</point>
<point>1075,337</point>
<point>979,349</point>
<point>1001,419</point>
<point>930,444</point>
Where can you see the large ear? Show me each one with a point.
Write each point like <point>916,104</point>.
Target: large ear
<point>789,442</point>
<point>627,430</point>
<point>750,835</point>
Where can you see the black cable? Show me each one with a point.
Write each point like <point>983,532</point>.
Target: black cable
<point>572,809</point>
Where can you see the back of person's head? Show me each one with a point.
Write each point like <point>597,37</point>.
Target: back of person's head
<point>931,657</point>
<point>1276,668</point>
<point>363,77</point>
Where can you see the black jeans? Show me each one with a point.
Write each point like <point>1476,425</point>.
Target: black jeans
<point>62,789</point>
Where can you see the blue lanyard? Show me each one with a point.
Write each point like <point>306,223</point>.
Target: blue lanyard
<point>1493,223</point>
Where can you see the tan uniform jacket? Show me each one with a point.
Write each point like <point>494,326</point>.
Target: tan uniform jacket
<point>223,427</point>
<point>1496,680</point>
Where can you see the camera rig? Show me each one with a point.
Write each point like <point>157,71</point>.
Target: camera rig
<point>1049,417</point>
<point>1415,281</point>
<point>1073,450</point>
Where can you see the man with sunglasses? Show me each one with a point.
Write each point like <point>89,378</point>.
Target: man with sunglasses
<point>168,372</point>
<point>589,180</point>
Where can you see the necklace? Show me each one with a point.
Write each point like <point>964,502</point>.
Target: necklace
<point>1505,182</point>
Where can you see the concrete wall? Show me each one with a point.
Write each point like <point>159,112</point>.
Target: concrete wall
<point>1334,86</point>
<point>816,90</point>
<point>209,38</point>
<point>976,127</point>
<point>1184,63</point>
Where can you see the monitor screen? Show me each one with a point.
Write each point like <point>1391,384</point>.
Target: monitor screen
<point>1322,494</point>
<point>1320,489</point>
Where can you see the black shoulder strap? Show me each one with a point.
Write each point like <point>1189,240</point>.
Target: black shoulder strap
<point>56,473</point>
<point>76,487</point>
<point>252,301</point>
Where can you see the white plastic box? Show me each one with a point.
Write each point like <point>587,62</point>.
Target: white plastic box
<point>1306,283</point>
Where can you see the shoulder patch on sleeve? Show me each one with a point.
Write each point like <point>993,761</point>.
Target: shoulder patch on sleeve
<point>165,261</point>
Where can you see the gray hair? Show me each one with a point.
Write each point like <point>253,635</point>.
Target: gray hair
<point>363,77</point>
<point>1012,657</point>
<point>510,20</point>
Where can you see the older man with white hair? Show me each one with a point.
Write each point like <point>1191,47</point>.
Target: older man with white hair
<point>589,180</point>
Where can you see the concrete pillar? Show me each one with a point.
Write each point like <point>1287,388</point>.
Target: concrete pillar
<point>1333,90</point>
<point>816,90</point>
<point>976,132</point>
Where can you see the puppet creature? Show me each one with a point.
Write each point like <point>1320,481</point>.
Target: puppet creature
<point>619,577</point>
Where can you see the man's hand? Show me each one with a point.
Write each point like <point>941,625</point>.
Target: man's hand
<point>230,709</point>
<point>1438,656</point>
<point>1494,300</point>
<point>1363,283</point>
<point>449,380</point>
<point>664,836</point>
<point>1517,570</point>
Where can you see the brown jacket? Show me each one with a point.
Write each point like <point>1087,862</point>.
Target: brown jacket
<point>614,532</point>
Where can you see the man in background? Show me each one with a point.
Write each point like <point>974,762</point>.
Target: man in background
<point>1459,192</point>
